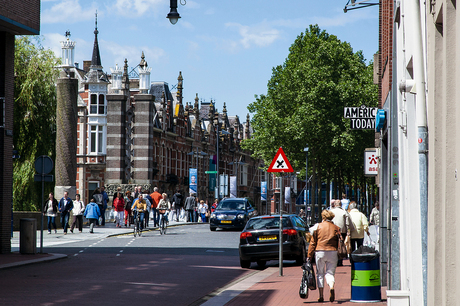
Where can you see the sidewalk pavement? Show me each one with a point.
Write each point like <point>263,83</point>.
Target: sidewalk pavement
<point>261,287</point>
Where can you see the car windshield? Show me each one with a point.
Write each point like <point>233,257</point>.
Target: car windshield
<point>267,223</point>
<point>231,205</point>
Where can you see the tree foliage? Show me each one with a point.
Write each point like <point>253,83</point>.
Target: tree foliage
<point>304,106</point>
<point>34,118</point>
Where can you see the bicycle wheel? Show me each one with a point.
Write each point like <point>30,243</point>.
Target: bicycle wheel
<point>162,226</point>
<point>136,225</point>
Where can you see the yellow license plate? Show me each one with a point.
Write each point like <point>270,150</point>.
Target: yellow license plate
<point>267,238</point>
<point>227,222</point>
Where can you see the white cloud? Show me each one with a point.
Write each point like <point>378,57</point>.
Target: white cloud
<point>260,35</point>
<point>68,11</point>
<point>136,7</point>
<point>133,53</point>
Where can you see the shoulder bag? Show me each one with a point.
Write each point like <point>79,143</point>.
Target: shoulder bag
<point>341,248</point>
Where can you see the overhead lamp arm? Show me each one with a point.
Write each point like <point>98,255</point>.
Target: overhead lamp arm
<point>357,5</point>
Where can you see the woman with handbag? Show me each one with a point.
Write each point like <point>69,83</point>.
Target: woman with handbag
<point>324,242</point>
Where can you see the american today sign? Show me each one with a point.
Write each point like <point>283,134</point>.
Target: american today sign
<point>361,118</point>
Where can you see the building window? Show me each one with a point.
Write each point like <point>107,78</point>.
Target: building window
<point>97,139</point>
<point>243,175</point>
<point>97,105</point>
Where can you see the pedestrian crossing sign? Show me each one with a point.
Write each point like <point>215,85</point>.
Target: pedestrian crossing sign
<point>280,163</point>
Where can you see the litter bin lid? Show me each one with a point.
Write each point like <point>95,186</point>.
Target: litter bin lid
<point>364,254</point>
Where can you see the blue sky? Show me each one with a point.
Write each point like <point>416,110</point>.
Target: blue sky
<point>225,49</point>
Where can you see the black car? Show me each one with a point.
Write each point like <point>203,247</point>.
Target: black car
<point>259,240</point>
<point>231,213</point>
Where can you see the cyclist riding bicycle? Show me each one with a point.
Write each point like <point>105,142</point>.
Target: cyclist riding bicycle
<point>165,206</point>
<point>140,207</point>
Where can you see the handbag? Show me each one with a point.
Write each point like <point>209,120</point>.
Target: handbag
<point>310,275</point>
<point>303,290</point>
<point>341,248</point>
<point>208,214</point>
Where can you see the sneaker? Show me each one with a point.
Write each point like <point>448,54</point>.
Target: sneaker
<point>49,232</point>
<point>65,233</point>
<point>55,231</point>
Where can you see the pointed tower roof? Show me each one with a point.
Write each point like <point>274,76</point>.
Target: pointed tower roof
<point>96,59</point>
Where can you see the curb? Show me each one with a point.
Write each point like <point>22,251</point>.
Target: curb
<point>53,256</point>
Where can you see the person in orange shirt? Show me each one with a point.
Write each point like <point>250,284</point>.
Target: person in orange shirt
<point>156,197</point>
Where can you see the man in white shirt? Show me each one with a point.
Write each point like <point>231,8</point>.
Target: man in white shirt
<point>341,219</point>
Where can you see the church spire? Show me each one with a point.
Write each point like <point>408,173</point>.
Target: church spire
<point>96,59</point>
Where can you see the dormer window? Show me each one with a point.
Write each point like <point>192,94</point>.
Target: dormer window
<point>97,106</point>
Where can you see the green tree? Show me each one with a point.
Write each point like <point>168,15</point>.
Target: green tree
<point>34,117</point>
<point>304,106</point>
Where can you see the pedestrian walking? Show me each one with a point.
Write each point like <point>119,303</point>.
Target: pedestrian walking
<point>50,209</point>
<point>92,213</point>
<point>77,212</point>
<point>202,209</point>
<point>105,200</point>
<point>119,207</point>
<point>178,203</point>
<point>99,200</point>
<point>345,201</point>
<point>374,218</point>
<point>323,244</point>
<point>343,221</point>
<point>156,197</point>
<point>65,206</point>
<point>148,200</point>
<point>190,206</point>
<point>128,203</point>
<point>214,205</point>
<point>360,226</point>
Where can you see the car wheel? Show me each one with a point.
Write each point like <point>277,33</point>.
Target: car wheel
<point>245,264</point>
<point>261,263</point>
<point>212,228</point>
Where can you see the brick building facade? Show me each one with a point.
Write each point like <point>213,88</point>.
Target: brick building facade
<point>133,132</point>
<point>17,17</point>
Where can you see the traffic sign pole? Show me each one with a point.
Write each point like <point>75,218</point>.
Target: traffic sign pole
<point>281,228</point>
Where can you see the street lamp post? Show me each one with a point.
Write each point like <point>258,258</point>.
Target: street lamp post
<point>217,153</point>
<point>306,182</point>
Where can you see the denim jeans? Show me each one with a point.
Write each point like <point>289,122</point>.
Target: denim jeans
<point>156,217</point>
<point>141,219</point>
<point>65,220</point>
<point>190,216</point>
<point>203,217</point>
<point>163,216</point>
<point>51,220</point>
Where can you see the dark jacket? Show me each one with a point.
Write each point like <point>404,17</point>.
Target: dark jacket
<point>190,203</point>
<point>55,206</point>
<point>98,198</point>
<point>65,206</point>
<point>178,200</point>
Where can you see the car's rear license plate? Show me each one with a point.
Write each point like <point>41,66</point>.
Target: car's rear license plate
<point>267,238</point>
<point>228,222</point>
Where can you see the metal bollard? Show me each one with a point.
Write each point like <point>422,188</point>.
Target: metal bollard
<point>28,236</point>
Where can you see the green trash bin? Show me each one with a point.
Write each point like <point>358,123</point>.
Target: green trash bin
<point>365,275</point>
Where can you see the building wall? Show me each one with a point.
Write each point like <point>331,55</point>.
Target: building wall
<point>444,153</point>
<point>6,138</point>
<point>19,17</point>
<point>24,13</point>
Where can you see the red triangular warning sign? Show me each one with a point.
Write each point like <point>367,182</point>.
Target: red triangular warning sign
<point>280,163</point>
